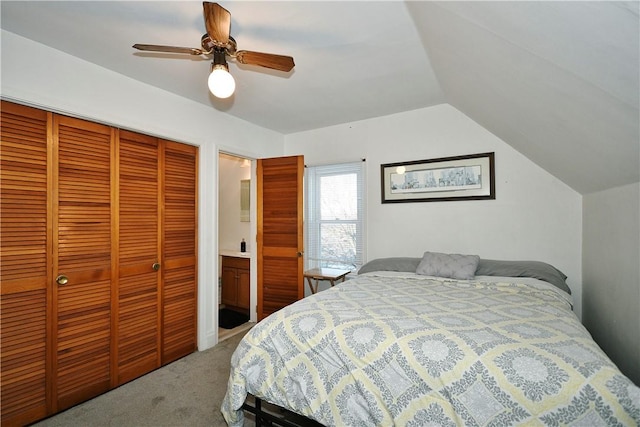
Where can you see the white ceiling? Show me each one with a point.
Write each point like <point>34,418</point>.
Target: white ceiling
<point>558,81</point>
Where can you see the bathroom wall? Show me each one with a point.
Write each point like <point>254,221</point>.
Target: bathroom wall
<point>230,229</point>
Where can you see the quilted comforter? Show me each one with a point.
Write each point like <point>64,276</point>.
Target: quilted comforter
<point>390,349</point>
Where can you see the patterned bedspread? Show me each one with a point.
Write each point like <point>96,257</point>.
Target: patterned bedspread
<point>401,349</point>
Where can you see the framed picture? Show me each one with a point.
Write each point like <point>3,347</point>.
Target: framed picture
<point>468,177</point>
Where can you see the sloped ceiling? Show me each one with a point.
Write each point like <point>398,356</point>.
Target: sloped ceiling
<point>559,81</point>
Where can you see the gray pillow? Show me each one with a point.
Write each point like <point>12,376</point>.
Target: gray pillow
<point>536,269</point>
<point>403,264</point>
<point>454,266</point>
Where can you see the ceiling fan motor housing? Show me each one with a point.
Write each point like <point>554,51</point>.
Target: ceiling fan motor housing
<point>220,57</point>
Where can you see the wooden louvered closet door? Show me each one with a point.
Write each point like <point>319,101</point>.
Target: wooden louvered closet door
<point>179,264</point>
<point>24,262</point>
<point>139,278</point>
<point>82,253</point>
<point>98,259</point>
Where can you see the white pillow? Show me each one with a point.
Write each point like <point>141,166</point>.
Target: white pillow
<point>454,266</point>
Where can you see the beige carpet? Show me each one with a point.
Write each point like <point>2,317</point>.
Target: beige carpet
<point>187,392</point>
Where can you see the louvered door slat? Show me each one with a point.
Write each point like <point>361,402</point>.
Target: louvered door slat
<point>83,253</point>
<point>139,240</point>
<point>180,245</point>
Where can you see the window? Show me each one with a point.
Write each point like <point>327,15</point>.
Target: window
<point>334,216</point>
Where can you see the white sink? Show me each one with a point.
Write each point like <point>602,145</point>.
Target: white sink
<point>237,254</point>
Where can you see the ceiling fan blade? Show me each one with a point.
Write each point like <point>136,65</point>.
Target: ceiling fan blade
<point>267,60</point>
<point>168,49</point>
<point>217,20</point>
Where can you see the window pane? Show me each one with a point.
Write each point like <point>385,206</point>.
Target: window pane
<point>338,244</point>
<point>339,197</point>
<point>334,216</point>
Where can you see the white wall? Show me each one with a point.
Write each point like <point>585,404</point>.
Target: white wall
<point>36,75</point>
<point>534,217</point>
<point>611,260</point>
<point>231,230</point>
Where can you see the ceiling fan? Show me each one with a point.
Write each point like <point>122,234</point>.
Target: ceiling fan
<point>217,42</point>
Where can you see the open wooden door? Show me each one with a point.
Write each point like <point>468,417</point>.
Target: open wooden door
<point>279,233</point>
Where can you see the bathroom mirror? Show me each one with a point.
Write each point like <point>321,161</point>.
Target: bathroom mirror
<point>245,200</point>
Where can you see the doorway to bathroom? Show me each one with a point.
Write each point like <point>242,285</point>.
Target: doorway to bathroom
<point>234,244</point>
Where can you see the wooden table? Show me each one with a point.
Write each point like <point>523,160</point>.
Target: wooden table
<point>314,275</point>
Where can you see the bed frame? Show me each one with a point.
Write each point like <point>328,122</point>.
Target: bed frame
<point>271,415</point>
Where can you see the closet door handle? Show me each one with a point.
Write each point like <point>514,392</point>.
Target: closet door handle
<point>155,266</point>
<point>62,280</point>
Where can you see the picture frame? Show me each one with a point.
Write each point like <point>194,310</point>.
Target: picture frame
<point>468,177</point>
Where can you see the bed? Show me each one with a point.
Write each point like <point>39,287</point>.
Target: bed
<point>444,340</point>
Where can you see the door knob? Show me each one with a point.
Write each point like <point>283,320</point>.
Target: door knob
<point>155,266</point>
<point>62,280</point>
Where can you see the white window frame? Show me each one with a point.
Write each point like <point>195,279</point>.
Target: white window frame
<point>313,175</point>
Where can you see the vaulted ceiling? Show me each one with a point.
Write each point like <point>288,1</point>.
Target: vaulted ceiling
<point>558,81</point>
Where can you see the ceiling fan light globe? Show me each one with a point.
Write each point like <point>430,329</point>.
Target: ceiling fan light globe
<point>221,83</point>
